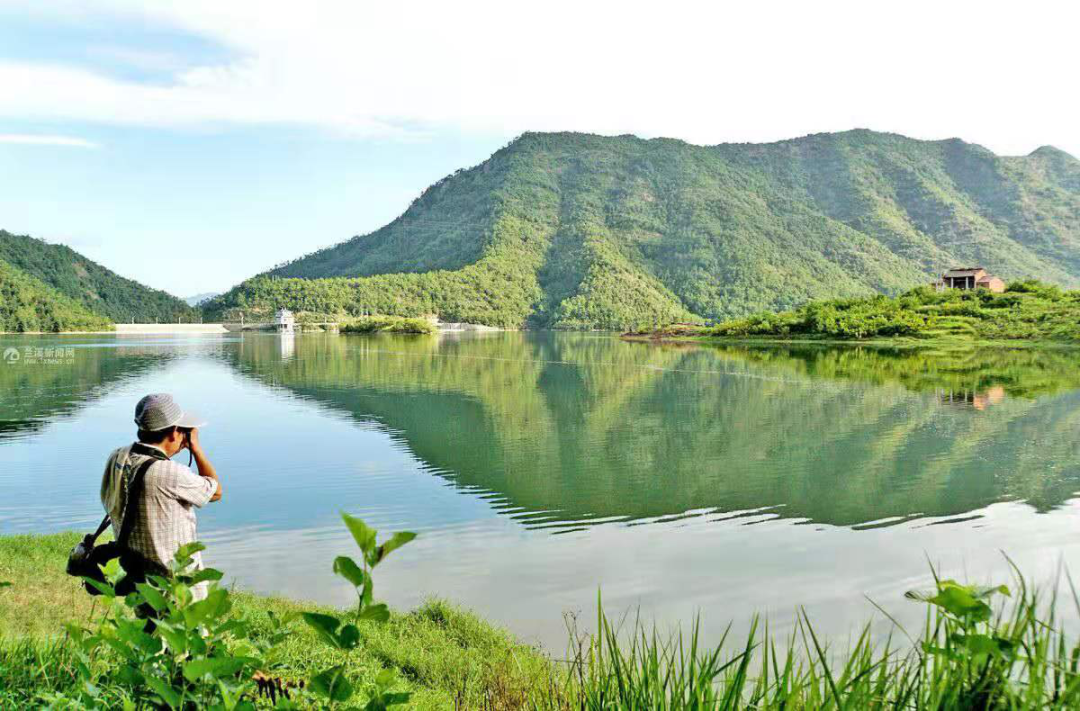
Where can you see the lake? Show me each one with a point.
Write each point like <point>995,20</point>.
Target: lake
<point>541,468</point>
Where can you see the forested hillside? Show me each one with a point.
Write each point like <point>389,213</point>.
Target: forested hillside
<point>580,231</point>
<point>99,290</point>
<point>26,304</point>
<point>1028,310</point>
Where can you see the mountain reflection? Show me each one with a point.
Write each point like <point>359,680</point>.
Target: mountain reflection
<point>564,429</point>
<point>36,390</point>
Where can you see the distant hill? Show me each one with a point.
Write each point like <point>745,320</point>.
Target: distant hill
<point>199,298</point>
<point>99,290</point>
<point>581,231</point>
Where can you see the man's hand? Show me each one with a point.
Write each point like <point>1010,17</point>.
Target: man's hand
<point>206,469</point>
<point>191,441</point>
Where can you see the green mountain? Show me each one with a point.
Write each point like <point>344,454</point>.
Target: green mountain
<point>28,304</point>
<point>580,231</point>
<point>97,289</point>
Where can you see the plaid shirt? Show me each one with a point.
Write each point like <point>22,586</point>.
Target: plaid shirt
<point>171,493</point>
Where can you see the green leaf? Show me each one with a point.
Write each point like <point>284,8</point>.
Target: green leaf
<point>361,533</point>
<point>325,625</point>
<point>368,595</point>
<point>196,643</point>
<point>74,631</point>
<point>396,541</point>
<point>4,584</point>
<point>384,679</point>
<point>175,638</point>
<point>981,644</point>
<point>131,631</point>
<point>206,575</point>
<point>216,667</point>
<point>347,568</point>
<point>166,692</point>
<point>152,596</point>
<point>381,701</point>
<point>213,606</point>
<point>332,684</point>
<point>189,549</point>
<point>103,588</point>
<point>159,582</point>
<point>375,613</point>
<point>230,694</point>
<point>961,601</point>
<point>121,647</point>
<point>129,674</point>
<point>240,627</point>
<point>112,570</point>
<point>349,637</point>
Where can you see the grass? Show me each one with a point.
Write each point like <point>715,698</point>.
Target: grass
<point>971,654</point>
<point>389,324</point>
<point>442,653</point>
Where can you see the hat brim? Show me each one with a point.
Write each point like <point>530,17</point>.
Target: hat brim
<point>190,420</point>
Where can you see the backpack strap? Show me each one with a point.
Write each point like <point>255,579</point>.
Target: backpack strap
<point>134,493</point>
<point>100,529</point>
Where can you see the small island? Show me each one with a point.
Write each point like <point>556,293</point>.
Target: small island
<point>1023,312</point>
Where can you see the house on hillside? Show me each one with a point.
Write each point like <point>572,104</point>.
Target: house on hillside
<point>970,278</point>
<point>284,321</point>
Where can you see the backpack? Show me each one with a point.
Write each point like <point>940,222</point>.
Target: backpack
<point>85,558</point>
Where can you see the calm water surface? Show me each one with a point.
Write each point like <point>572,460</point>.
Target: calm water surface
<point>539,468</point>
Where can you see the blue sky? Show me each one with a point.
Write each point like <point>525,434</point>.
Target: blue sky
<point>191,145</point>
<point>197,211</point>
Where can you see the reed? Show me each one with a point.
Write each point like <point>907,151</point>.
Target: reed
<point>969,655</point>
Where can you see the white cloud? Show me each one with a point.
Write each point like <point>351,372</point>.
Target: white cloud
<point>708,73</point>
<point>31,139</point>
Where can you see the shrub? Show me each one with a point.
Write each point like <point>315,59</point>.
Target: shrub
<point>390,324</point>
<point>159,648</point>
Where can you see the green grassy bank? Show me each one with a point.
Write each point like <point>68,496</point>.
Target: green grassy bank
<point>973,653</point>
<point>440,653</point>
<point>1028,313</point>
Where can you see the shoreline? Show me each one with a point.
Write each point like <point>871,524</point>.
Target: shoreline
<point>134,330</point>
<point>897,343</point>
<point>445,657</point>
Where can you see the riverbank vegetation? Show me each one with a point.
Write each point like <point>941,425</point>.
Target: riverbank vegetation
<point>1027,311</point>
<point>240,651</point>
<point>389,324</point>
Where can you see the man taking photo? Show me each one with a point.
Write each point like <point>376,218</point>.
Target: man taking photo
<point>164,498</point>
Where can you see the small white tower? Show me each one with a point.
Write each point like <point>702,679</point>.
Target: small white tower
<point>284,321</point>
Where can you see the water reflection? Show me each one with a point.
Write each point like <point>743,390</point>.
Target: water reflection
<point>539,468</point>
<point>980,400</point>
<point>39,386</point>
<point>571,430</point>
<point>286,345</point>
